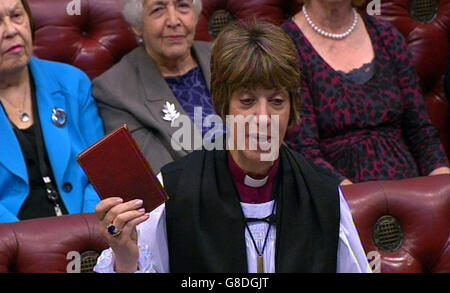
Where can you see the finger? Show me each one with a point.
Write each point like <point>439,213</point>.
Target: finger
<point>105,205</point>
<point>121,220</point>
<point>121,208</point>
<point>130,227</point>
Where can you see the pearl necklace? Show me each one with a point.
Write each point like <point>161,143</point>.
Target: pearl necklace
<point>327,34</point>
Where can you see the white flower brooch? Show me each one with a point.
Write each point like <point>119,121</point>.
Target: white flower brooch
<point>170,113</point>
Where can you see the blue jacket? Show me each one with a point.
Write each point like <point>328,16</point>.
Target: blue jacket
<point>57,86</point>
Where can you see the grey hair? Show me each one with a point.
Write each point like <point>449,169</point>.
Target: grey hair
<point>132,11</point>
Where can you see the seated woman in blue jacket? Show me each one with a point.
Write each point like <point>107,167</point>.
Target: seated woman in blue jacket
<point>47,117</point>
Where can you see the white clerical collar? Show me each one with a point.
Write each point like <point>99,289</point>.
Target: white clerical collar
<point>255,183</point>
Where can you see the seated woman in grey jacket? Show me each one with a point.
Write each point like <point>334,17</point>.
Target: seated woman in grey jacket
<point>166,77</point>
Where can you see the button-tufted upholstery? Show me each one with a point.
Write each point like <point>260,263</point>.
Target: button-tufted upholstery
<point>271,10</point>
<point>429,44</point>
<point>422,208</point>
<point>43,245</point>
<point>93,41</point>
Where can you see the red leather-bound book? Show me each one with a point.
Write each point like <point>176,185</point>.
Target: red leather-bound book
<point>116,167</point>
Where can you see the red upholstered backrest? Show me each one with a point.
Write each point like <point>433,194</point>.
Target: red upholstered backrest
<point>8,249</point>
<point>93,41</point>
<point>422,208</point>
<point>270,10</point>
<point>43,245</point>
<point>429,44</point>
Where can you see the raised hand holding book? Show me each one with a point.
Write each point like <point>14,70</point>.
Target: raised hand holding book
<point>116,167</point>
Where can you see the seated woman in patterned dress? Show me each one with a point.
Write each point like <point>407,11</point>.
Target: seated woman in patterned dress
<point>363,114</point>
<point>167,76</point>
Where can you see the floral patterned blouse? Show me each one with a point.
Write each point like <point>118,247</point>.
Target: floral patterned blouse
<point>191,90</point>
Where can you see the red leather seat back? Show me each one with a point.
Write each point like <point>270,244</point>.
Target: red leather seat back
<point>92,41</point>
<point>422,208</point>
<point>43,245</point>
<point>8,249</point>
<point>270,10</point>
<point>429,44</point>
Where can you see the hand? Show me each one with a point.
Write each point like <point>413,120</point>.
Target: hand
<point>440,171</point>
<point>345,182</point>
<point>125,217</point>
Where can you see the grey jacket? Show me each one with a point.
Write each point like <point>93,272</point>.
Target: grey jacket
<point>133,92</point>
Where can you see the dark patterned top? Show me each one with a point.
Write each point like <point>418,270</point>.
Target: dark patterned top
<point>361,75</point>
<point>192,91</point>
<point>378,130</point>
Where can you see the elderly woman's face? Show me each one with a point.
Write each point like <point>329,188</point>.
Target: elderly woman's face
<point>15,32</point>
<point>263,105</point>
<point>169,27</point>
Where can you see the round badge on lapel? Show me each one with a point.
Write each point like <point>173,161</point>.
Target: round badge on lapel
<point>59,117</point>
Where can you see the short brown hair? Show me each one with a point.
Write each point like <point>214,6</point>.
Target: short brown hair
<point>356,3</point>
<point>251,54</point>
<point>30,16</point>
